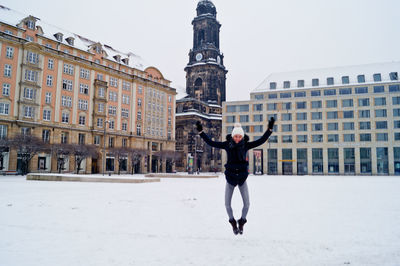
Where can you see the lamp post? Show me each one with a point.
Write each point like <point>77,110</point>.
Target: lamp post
<point>104,145</point>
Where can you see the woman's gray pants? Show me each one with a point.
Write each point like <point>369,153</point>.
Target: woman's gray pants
<point>244,191</point>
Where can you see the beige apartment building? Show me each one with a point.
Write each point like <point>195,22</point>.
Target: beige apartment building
<point>65,88</point>
<point>339,121</point>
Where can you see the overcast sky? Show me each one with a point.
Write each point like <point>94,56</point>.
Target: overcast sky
<point>258,37</point>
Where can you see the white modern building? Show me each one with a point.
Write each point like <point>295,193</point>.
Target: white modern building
<point>343,120</point>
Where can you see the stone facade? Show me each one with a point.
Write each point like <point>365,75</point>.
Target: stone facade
<point>65,88</point>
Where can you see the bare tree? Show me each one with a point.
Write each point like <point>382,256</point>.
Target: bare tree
<point>61,151</point>
<point>4,147</point>
<point>121,154</point>
<point>81,152</point>
<point>169,155</point>
<point>135,156</point>
<point>27,146</point>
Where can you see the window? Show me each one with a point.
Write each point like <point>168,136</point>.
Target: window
<point>301,127</point>
<point>29,111</point>
<point>300,94</point>
<point>348,137</point>
<point>49,81</point>
<point>361,78</point>
<point>317,127</point>
<point>287,139</point>
<point>124,144</point>
<point>67,85</point>
<point>124,113</point>
<point>329,92</point>
<point>138,130</point>
<point>113,82</point>
<point>315,82</point>
<point>101,92</point>
<point>381,124</point>
<point>316,104</point>
<point>81,138</point>
<point>330,81</point>
<point>100,107</point>
<point>316,115</point>
<point>29,93</point>
<point>112,110</point>
<point>272,96</point>
<point>243,118</point>
<point>271,106</point>
<point>9,52</point>
<point>110,142</point>
<point>286,128</point>
<point>379,89</point>
<point>315,93</point>
<point>332,115</point>
<point>348,114</point>
<point>396,112</point>
<point>301,138</point>
<point>84,73</point>
<point>333,126</point>
<point>348,126</point>
<point>287,106</point>
<point>285,95</point>
<point>286,117</point>
<point>231,119</point>
<point>363,102</point>
<point>273,139</point>
<point>46,115</point>
<point>32,58</point>
<point>84,89</point>
<point>381,113</point>
<point>126,85</point>
<point>6,89</point>
<point>4,108</point>
<point>365,125</point>
<point>111,124</point>
<point>66,101</point>
<point>286,84</point>
<point>331,103</point>
<point>333,138</point>
<point>46,135</point>
<point>347,103</point>
<point>50,64</point>
<point>7,70</point>
<point>258,128</point>
<point>393,76</point>
<point>65,117</point>
<point>96,140</point>
<point>380,101</point>
<point>381,136</point>
<point>396,100</point>
<point>257,107</point>
<point>301,116</point>
<point>396,135</point>
<point>300,83</point>
<point>68,69</point>
<point>345,80</point>
<point>99,122</point>
<point>365,137</point>
<point>242,108</point>
<point>345,91</point>
<point>394,88</point>
<point>361,90</point>
<point>257,118</point>
<point>113,96</point>
<point>364,114</point>
<point>377,77</point>
<point>64,137</point>
<point>275,116</point>
<point>317,138</point>
<point>301,105</point>
<point>126,100</point>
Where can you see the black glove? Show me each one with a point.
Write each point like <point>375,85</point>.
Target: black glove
<point>271,123</point>
<point>199,127</point>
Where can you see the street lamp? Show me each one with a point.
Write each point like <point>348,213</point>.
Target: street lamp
<point>104,145</point>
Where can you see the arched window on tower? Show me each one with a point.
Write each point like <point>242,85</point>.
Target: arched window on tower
<point>198,82</point>
<point>201,37</point>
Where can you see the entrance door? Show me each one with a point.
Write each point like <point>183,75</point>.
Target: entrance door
<point>95,169</point>
<point>287,168</point>
<point>154,165</point>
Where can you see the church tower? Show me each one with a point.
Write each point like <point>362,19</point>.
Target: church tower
<point>205,72</point>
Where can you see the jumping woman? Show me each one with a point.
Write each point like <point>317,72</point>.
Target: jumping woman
<point>236,169</point>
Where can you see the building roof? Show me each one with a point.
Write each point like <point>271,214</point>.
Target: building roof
<point>368,70</point>
<point>14,18</point>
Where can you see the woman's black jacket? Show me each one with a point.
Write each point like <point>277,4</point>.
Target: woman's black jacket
<point>236,168</point>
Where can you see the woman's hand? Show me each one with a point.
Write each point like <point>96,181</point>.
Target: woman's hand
<point>199,127</point>
<point>271,123</point>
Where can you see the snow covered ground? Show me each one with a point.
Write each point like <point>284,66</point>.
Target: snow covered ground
<point>293,220</point>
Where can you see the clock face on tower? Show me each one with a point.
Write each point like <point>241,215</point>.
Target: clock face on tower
<point>199,56</point>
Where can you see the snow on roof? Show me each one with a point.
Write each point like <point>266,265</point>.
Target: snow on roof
<point>206,116</point>
<point>14,18</point>
<point>368,70</point>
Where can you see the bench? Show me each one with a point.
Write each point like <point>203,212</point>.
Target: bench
<point>9,172</point>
